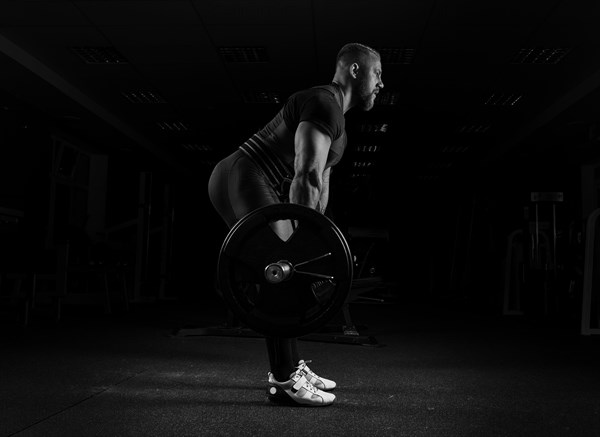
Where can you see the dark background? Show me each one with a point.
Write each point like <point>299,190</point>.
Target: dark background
<point>484,103</point>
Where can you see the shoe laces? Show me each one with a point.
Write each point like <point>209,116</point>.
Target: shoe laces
<point>305,369</point>
<point>307,385</point>
<point>311,388</point>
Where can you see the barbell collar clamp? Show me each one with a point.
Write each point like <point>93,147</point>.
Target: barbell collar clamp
<point>278,271</point>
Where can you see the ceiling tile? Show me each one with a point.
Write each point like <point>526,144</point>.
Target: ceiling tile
<point>162,44</point>
<point>373,13</point>
<point>182,79</point>
<point>30,13</point>
<point>30,87</point>
<point>284,44</point>
<point>257,12</point>
<point>49,48</point>
<point>38,38</point>
<point>270,79</point>
<point>463,52</point>
<point>332,39</point>
<point>285,37</point>
<point>573,12</point>
<point>570,24</point>
<point>471,36</point>
<point>131,12</point>
<point>492,12</point>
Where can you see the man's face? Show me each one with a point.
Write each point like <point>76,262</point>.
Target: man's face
<point>370,84</point>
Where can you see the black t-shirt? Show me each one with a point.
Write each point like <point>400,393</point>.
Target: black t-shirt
<point>320,105</point>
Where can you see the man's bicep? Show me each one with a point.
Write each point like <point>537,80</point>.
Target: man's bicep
<point>311,146</point>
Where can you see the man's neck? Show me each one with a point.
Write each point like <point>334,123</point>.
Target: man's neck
<point>346,93</point>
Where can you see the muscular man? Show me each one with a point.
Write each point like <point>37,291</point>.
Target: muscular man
<point>290,160</point>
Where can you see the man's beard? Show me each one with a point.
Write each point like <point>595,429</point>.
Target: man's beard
<point>367,102</point>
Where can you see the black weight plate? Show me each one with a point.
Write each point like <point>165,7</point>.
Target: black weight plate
<point>296,306</point>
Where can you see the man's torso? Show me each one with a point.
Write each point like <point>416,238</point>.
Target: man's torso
<point>319,105</point>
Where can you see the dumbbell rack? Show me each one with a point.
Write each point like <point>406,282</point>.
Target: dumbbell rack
<point>349,332</point>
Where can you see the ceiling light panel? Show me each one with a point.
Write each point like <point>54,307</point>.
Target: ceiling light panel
<point>379,128</point>
<point>503,99</point>
<point>262,97</point>
<point>388,98</point>
<point>145,97</point>
<point>99,55</point>
<point>474,129</point>
<point>243,55</point>
<point>173,126</point>
<point>359,176</point>
<point>455,149</point>
<point>539,55</point>
<point>194,147</point>
<point>368,148</point>
<point>362,168</point>
<point>428,178</point>
<point>438,165</point>
<point>208,163</point>
<point>396,55</point>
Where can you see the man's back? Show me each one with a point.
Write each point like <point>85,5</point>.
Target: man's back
<point>320,105</point>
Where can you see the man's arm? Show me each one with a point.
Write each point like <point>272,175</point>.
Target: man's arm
<point>312,147</point>
<point>322,206</point>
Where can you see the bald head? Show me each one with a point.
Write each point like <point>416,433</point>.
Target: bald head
<point>358,73</point>
<point>356,53</point>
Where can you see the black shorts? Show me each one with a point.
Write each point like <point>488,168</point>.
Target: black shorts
<point>238,186</point>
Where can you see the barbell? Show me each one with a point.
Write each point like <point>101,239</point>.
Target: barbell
<point>285,288</point>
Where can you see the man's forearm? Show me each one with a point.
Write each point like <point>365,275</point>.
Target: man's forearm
<point>324,198</point>
<point>305,192</point>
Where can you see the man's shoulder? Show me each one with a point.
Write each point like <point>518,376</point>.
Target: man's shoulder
<point>318,90</point>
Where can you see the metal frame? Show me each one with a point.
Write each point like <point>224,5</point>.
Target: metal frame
<point>588,273</point>
<point>511,276</point>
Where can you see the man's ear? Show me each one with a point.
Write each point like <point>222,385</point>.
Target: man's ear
<point>354,70</point>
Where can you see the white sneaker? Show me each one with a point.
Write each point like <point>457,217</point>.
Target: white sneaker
<point>297,390</point>
<point>316,380</point>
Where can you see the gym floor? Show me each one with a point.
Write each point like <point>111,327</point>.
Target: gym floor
<point>433,372</point>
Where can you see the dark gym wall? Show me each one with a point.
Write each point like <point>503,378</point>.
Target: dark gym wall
<point>25,167</point>
<point>475,218</point>
<point>447,245</point>
<point>24,157</point>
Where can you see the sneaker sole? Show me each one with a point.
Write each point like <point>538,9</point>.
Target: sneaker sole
<point>280,397</point>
